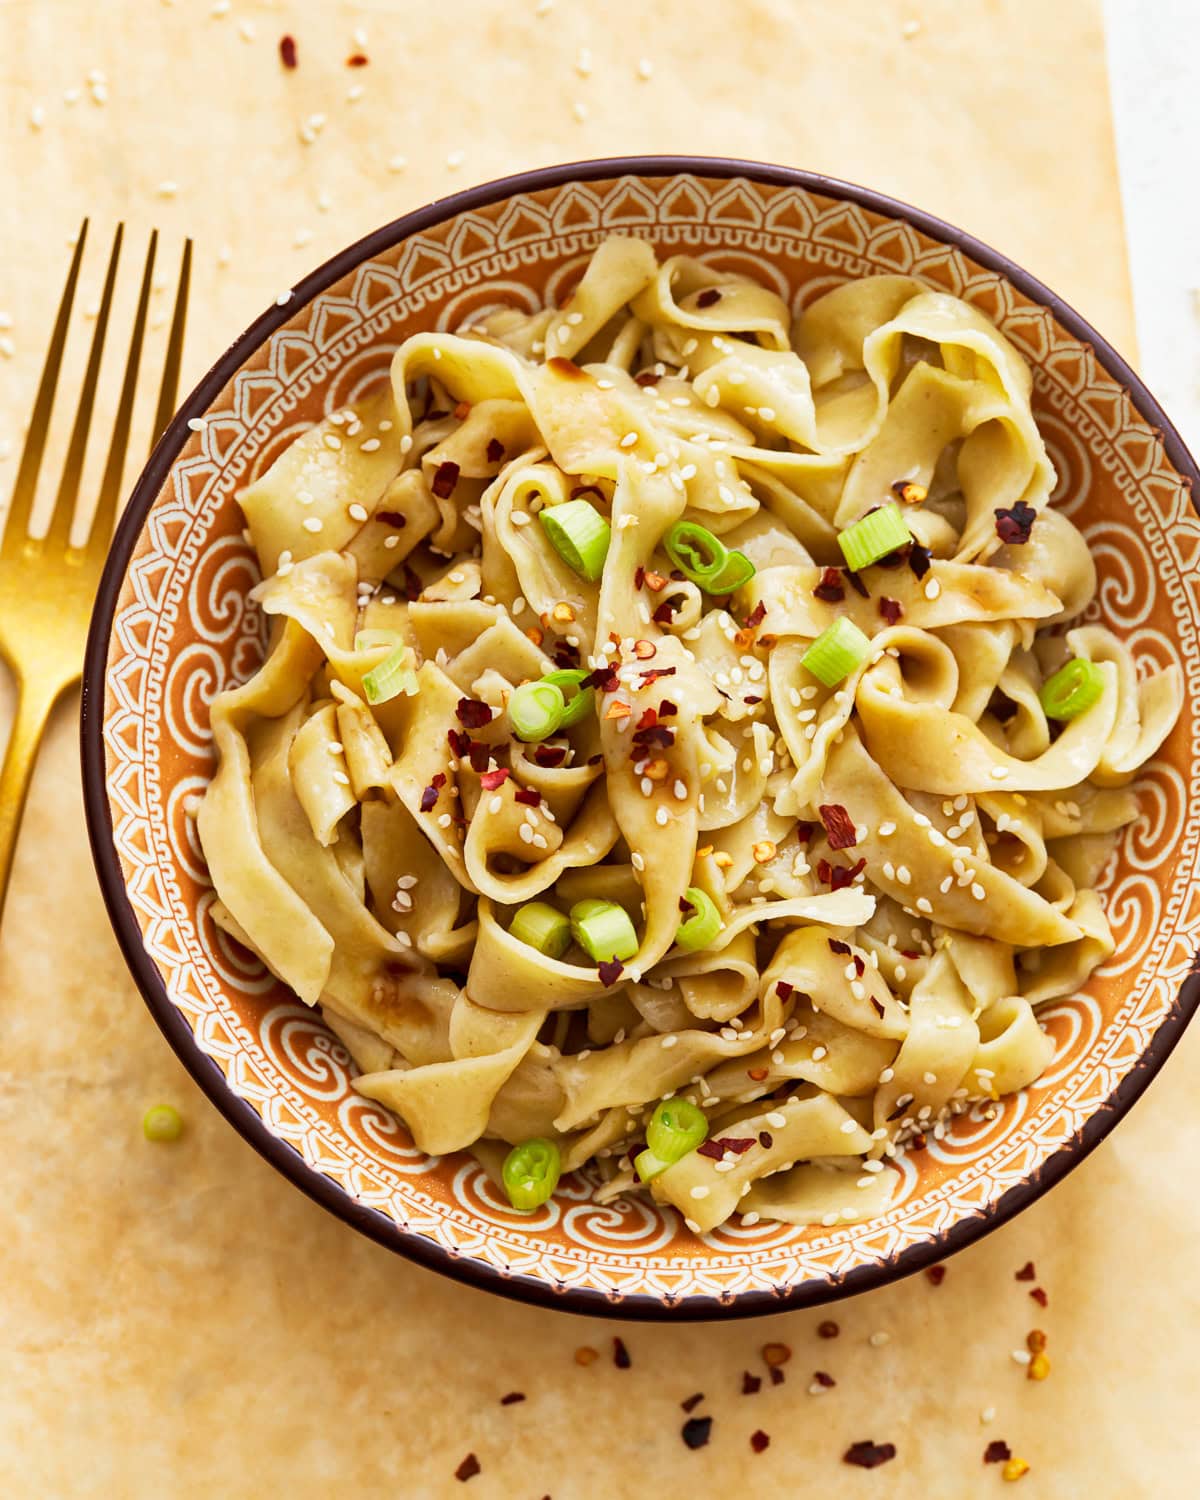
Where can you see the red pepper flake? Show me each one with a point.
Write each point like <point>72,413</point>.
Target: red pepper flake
<point>444,479</point>
<point>655,582</point>
<point>287,51</point>
<point>708,297</point>
<point>429,798</point>
<point>828,1329</point>
<point>696,1431</point>
<point>837,946</point>
<point>647,377</point>
<point>717,1148</point>
<point>777,1375</point>
<point>838,877</point>
<point>621,1355</point>
<point>528,795</point>
<point>666,709</point>
<point>550,756</point>
<point>824,1379</point>
<point>512,1398</point>
<point>495,451</point>
<point>692,1402</point>
<point>919,559</point>
<point>759,1441</point>
<point>392,518</point>
<point>756,616</point>
<point>648,720</point>
<point>611,971</point>
<point>472,713</point>
<point>1026,1273</point>
<point>775,1355</point>
<point>639,576</point>
<point>757,1075</point>
<point>585,1355</point>
<point>459,743</point>
<point>936,1274</point>
<point>467,1469</point>
<point>918,1143</point>
<point>618,709</point>
<point>751,1384</point>
<point>659,735</point>
<point>765,1139</point>
<point>604,679</point>
<point>665,612</point>
<point>357,60</point>
<point>890,609</point>
<point>783,989</point>
<point>869,1455</point>
<point>997,1452</point>
<point>480,756</point>
<point>1039,1296</point>
<point>644,649</point>
<point>857,584</point>
<point>1035,1341</point>
<point>490,780</point>
<point>1014,525</point>
<point>830,589</point>
<point>839,825</point>
<point>910,492</point>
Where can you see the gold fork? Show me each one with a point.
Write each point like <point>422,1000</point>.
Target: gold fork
<point>47,586</point>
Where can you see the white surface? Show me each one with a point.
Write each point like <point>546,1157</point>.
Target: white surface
<point>1154,66</point>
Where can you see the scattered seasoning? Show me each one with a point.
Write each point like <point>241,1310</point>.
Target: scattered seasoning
<point>869,1455</point>
<point>1035,1341</point>
<point>610,972</point>
<point>828,1329</point>
<point>838,877</point>
<point>357,60</point>
<point>512,1398</point>
<point>528,796</point>
<point>1039,1296</point>
<point>491,780</point>
<point>444,479</point>
<point>621,1355</point>
<point>392,518</point>
<point>857,584</point>
<point>287,51</point>
<point>783,989</point>
<point>467,1469</point>
<point>692,1402</point>
<point>909,491</point>
<point>646,377</point>
<point>765,1139</point>
<point>1037,1368</point>
<point>759,1441</point>
<point>997,1452</point>
<point>708,297</point>
<point>936,1274</point>
<point>775,1355</point>
<point>696,1431</point>
<point>919,559</point>
<point>839,826</point>
<point>429,795</point>
<point>1014,525</point>
<point>586,1355</point>
<point>824,1379</point>
<point>550,756</point>
<point>716,1149</point>
<point>472,713</point>
<point>830,588</point>
<point>751,1384</point>
<point>890,609</point>
<point>495,451</point>
<point>1014,1469</point>
<point>777,1376</point>
<point>1026,1273</point>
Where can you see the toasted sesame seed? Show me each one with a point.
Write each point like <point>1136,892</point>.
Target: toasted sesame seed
<point>312,523</point>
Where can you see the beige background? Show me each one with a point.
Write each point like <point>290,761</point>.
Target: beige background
<point>180,1320</point>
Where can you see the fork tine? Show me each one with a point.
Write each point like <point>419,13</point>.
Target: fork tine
<point>110,485</point>
<point>68,488</point>
<point>25,487</point>
<point>169,391</point>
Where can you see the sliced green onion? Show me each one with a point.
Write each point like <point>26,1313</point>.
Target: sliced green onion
<point>371,640</point>
<point>738,570</point>
<point>579,534</point>
<point>531,1172</point>
<point>162,1122</point>
<point>836,652</point>
<point>580,702</point>
<point>392,676</point>
<point>647,1165</point>
<point>698,930</point>
<point>705,560</point>
<point>1072,690</point>
<point>543,927</point>
<point>603,930</point>
<point>874,536</point>
<point>535,710</point>
<point>676,1127</point>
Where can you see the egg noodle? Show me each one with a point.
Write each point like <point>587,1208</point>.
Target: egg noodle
<point>818,894</point>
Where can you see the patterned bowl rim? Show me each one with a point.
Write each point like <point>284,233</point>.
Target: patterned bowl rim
<point>205,1070</point>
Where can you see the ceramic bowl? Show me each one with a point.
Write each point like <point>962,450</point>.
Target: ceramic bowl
<point>173,627</point>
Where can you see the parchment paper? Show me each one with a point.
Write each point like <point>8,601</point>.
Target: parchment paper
<point>180,1320</point>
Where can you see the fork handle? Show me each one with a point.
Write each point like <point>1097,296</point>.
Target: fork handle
<point>33,712</point>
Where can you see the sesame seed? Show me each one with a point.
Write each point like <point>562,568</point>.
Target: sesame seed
<point>999,773</point>
<point>312,523</point>
<point>670,1040</point>
<point>662,817</point>
<point>932,589</point>
<point>924,906</point>
<point>879,1338</point>
<point>283,298</point>
<point>455,159</point>
<point>699,1191</point>
<point>886,830</point>
<point>645,69</point>
<point>978,892</point>
<point>397,163</point>
<point>903,875</point>
<point>928,1077</point>
<point>357,512</point>
<point>819,1052</point>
